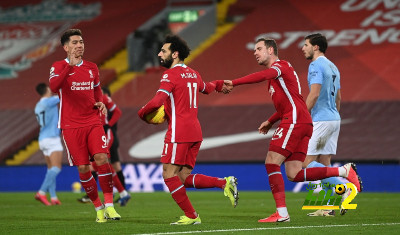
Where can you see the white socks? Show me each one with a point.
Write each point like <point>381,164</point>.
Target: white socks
<point>282,211</point>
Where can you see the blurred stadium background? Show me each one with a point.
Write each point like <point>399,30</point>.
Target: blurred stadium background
<point>123,38</point>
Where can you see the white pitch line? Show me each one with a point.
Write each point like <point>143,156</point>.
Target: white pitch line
<point>273,228</point>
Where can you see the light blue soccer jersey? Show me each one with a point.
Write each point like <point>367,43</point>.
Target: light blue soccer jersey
<point>323,71</point>
<point>46,111</point>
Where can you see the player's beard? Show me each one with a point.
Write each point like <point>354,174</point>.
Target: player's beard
<point>167,62</point>
<point>310,56</point>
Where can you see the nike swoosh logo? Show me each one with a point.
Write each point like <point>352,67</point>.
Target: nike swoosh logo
<point>71,73</point>
<point>152,146</point>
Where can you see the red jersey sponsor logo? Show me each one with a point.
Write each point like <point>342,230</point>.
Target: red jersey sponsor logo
<point>81,86</point>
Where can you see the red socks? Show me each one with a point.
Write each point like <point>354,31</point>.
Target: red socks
<point>203,181</point>
<point>106,182</point>
<point>116,181</point>
<point>316,173</point>
<point>178,193</point>
<point>276,183</point>
<point>90,186</point>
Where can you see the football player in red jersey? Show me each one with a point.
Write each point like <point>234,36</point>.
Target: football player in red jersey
<point>109,122</point>
<point>178,90</point>
<point>290,141</point>
<point>77,83</point>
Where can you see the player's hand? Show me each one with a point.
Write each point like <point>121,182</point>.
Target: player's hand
<point>73,58</point>
<point>264,127</point>
<point>101,107</point>
<point>227,87</point>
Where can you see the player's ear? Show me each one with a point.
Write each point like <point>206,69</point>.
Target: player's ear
<point>270,50</point>
<point>65,47</point>
<point>175,55</point>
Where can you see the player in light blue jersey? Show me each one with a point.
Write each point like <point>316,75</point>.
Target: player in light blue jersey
<point>324,83</point>
<point>46,111</point>
<point>323,102</point>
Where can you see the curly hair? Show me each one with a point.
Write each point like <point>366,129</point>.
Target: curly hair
<point>179,45</point>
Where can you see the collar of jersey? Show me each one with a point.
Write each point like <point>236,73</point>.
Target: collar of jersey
<point>321,56</point>
<point>67,60</point>
<point>182,65</point>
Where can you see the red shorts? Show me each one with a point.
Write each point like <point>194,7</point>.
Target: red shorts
<point>291,140</point>
<point>82,143</point>
<point>183,154</point>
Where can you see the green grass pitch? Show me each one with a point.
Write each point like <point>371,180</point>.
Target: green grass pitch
<point>151,213</point>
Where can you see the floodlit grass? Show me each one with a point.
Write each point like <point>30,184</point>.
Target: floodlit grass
<point>151,213</point>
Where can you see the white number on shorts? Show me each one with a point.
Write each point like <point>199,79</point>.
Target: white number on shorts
<point>104,139</point>
<point>278,133</point>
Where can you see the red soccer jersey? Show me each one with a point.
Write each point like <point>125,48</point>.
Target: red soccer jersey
<point>182,84</point>
<point>77,86</point>
<point>284,88</point>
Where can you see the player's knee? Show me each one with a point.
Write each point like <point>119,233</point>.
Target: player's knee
<point>100,158</point>
<point>167,175</point>
<point>83,168</point>
<point>291,174</point>
<point>169,172</point>
<point>291,177</point>
<point>305,164</point>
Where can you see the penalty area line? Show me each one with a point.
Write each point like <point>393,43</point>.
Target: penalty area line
<point>273,228</point>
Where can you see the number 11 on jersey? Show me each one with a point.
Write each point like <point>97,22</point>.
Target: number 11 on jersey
<point>192,95</point>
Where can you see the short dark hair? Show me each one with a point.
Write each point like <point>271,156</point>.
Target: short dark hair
<point>41,88</point>
<point>106,91</point>
<point>179,45</point>
<point>269,42</point>
<point>319,40</point>
<point>67,34</point>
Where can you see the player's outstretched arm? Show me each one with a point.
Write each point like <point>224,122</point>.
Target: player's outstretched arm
<point>216,85</point>
<point>256,77</point>
<point>208,87</point>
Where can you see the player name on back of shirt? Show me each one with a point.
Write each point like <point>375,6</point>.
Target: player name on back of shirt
<point>188,75</point>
